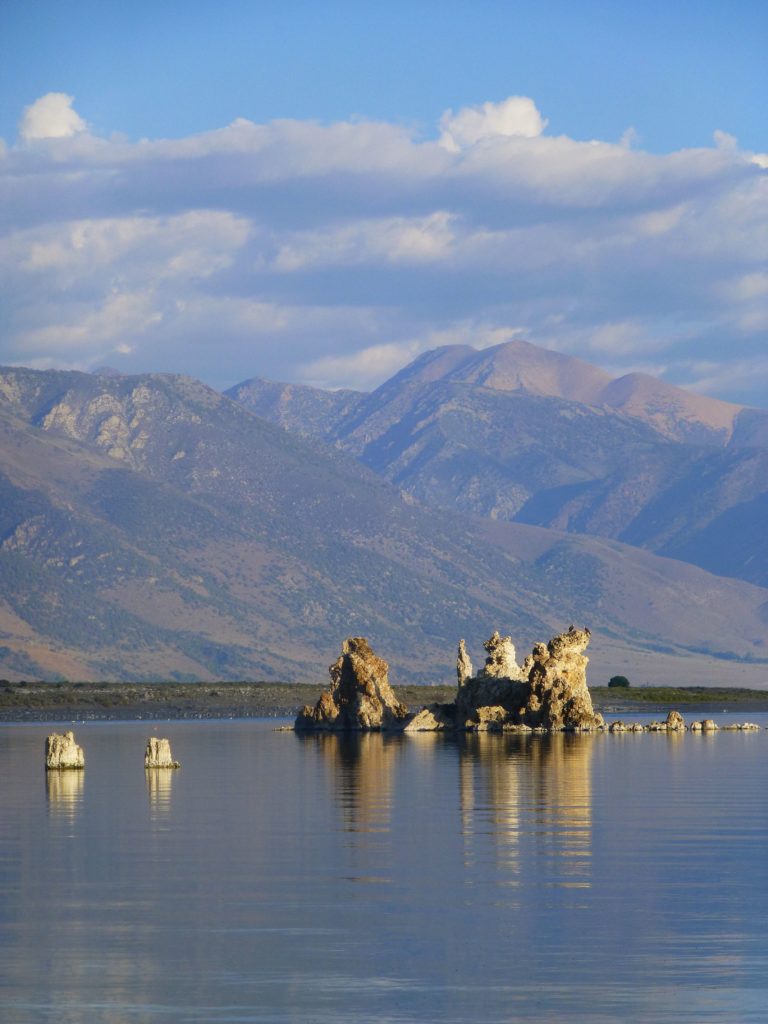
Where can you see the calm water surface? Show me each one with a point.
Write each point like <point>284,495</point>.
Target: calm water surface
<point>421,878</point>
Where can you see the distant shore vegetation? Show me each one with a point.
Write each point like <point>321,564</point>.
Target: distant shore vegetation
<point>60,701</point>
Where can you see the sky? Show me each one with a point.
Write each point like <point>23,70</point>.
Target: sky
<point>318,192</point>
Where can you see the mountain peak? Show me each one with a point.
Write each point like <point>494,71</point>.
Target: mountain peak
<point>511,366</point>
<point>520,367</point>
<point>670,409</point>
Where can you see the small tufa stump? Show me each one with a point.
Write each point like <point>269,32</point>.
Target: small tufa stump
<point>61,752</point>
<point>158,754</point>
<point>675,722</point>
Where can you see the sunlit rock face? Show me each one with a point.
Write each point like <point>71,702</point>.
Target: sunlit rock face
<point>61,751</point>
<point>464,670</point>
<point>675,722</point>
<point>359,695</point>
<point>500,663</point>
<point>158,754</point>
<point>549,691</point>
<point>433,718</point>
<point>559,697</point>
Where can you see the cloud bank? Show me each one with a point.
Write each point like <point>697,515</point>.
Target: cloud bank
<point>334,253</point>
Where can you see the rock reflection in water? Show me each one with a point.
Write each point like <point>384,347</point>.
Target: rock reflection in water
<point>64,793</point>
<point>159,789</point>
<point>532,793</point>
<point>361,766</point>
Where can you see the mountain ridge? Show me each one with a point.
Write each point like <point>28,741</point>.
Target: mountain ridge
<point>153,528</point>
<point>642,461</point>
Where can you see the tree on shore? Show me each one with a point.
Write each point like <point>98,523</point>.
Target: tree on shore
<point>618,681</point>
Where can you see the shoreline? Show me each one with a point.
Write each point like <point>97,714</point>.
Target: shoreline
<point>69,702</point>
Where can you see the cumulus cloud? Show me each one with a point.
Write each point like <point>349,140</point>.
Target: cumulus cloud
<point>739,375</point>
<point>515,116</point>
<point>395,240</point>
<point>51,117</point>
<point>334,253</point>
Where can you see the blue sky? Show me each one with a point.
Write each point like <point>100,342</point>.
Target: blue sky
<point>343,185</point>
<point>675,72</point>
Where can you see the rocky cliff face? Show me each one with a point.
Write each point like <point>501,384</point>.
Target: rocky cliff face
<point>359,695</point>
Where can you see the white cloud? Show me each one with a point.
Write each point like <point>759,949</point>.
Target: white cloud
<point>51,117</point>
<point>515,116</point>
<point>661,221</point>
<point>137,249</point>
<point>616,339</point>
<point>335,253</point>
<point>362,370</point>
<point>366,369</point>
<point>740,375</point>
<point>403,240</point>
<point>748,286</point>
<point>724,140</point>
<point>96,329</point>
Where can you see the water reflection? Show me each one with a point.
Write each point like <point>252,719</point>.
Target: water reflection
<point>159,789</point>
<point>64,793</point>
<point>361,766</point>
<point>492,878</point>
<point>530,792</point>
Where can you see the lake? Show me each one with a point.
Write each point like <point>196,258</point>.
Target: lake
<point>485,878</point>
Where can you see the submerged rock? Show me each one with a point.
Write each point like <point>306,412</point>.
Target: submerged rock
<point>359,695</point>
<point>61,751</point>
<point>158,754</point>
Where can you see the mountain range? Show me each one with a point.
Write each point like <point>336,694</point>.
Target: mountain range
<point>151,527</point>
<point>526,435</point>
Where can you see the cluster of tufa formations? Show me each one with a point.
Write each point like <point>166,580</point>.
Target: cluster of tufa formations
<point>548,692</point>
<point>62,752</point>
<point>675,723</point>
